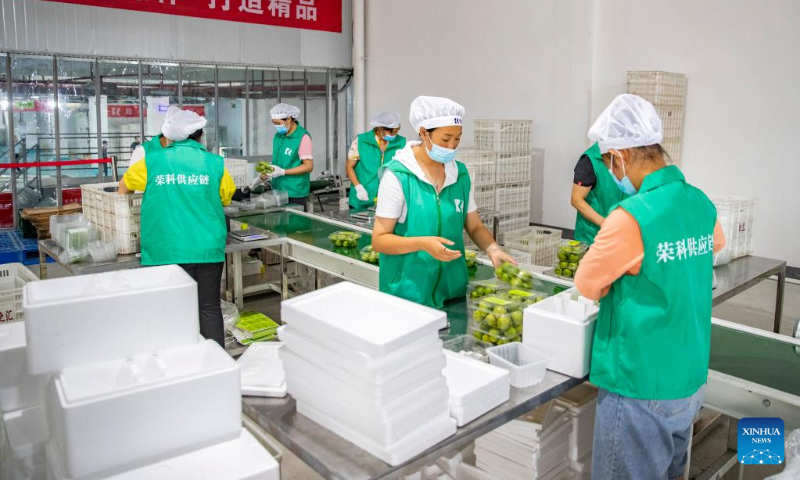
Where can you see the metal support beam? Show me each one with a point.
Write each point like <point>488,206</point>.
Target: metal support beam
<point>98,112</point>
<point>180,85</point>
<point>57,133</point>
<point>11,143</point>
<point>247,112</point>
<point>216,109</point>
<point>280,98</point>
<point>141,104</point>
<point>305,98</point>
<point>328,123</point>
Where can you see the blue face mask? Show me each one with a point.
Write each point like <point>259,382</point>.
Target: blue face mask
<point>389,138</point>
<point>625,184</point>
<point>441,154</point>
<point>282,129</point>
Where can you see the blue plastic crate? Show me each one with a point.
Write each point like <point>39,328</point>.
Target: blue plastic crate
<point>16,249</point>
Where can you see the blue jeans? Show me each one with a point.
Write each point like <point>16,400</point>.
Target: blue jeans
<point>642,439</point>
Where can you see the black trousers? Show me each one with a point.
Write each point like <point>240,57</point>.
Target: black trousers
<point>209,281</point>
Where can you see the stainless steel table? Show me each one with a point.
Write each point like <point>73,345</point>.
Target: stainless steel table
<point>333,457</point>
<point>49,248</point>
<point>746,272</point>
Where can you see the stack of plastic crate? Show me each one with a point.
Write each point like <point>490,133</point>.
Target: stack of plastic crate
<point>117,217</point>
<point>541,243</point>
<point>237,167</point>
<point>667,92</point>
<point>510,142</point>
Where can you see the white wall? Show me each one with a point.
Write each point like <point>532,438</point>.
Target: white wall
<point>38,26</point>
<point>742,58</point>
<point>501,59</point>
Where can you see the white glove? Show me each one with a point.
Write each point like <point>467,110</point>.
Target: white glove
<point>361,193</point>
<point>277,172</point>
<point>258,181</point>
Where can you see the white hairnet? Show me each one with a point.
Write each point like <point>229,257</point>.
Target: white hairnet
<point>386,119</point>
<point>284,110</point>
<point>630,121</point>
<point>433,112</point>
<point>179,124</point>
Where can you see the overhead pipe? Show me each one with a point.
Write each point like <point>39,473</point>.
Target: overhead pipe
<point>359,65</point>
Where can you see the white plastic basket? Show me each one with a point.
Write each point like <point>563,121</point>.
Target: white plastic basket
<point>510,222</point>
<point>484,198</point>
<point>237,167</point>
<point>541,243</point>
<point>526,366</point>
<point>117,217</point>
<point>481,166</point>
<point>736,216</point>
<point>518,255</point>
<point>503,135</point>
<point>658,88</point>
<point>513,167</point>
<point>13,276</point>
<point>514,198</point>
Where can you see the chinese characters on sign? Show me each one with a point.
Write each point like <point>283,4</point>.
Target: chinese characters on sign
<point>325,15</point>
<point>685,248</point>
<point>181,179</point>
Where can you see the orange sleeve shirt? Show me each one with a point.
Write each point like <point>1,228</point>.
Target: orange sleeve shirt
<point>618,250</point>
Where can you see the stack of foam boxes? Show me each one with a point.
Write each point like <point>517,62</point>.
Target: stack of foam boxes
<point>581,406</point>
<point>130,389</point>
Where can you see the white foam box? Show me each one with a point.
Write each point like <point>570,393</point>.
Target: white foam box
<point>376,369</point>
<point>562,327</point>
<point>130,412</point>
<point>475,387</point>
<point>306,370</point>
<point>85,319</point>
<point>581,406</point>
<point>240,459</point>
<point>356,317</point>
<point>262,370</point>
<point>428,435</point>
<point>18,388</point>
<point>26,434</point>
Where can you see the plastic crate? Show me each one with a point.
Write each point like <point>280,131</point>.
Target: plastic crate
<point>513,167</point>
<point>674,148</point>
<point>736,216</point>
<point>117,217</point>
<point>510,222</point>
<point>541,243</point>
<point>503,135</point>
<point>13,276</point>
<point>237,167</point>
<point>481,166</point>
<point>484,198</point>
<point>514,198</point>
<point>658,88</point>
<point>518,255</point>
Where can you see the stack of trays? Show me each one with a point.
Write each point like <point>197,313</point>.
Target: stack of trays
<point>368,367</point>
<point>475,387</point>
<point>262,371</point>
<point>534,446</point>
<point>581,406</point>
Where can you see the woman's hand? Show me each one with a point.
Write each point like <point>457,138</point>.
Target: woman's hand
<point>498,256</point>
<point>437,248</point>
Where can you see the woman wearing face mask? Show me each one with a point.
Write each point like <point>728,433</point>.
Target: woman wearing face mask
<point>424,204</point>
<point>292,157</point>
<point>368,153</point>
<point>651,263</point>
<point>593,191</point>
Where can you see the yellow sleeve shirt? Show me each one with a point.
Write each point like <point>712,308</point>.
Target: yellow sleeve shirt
<point>136,180</point>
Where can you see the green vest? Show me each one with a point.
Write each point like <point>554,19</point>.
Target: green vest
<point>182,216</point>
<point>601,198</point>
<point>417,276</point>
<point>653,333</point>
<point>152,145</point>
<point>370,161</point>
<point>285,155</point>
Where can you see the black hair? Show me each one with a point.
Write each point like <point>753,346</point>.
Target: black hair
<point>651,153</point>
<point>196,135</point>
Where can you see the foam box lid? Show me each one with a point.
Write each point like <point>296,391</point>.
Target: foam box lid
<point>372,322</point>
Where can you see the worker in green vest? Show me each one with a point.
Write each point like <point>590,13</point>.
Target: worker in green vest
<point>185,188</point>
<point>368,153</point>
<point>651,262</point>
<point>594,192</point>
<point>156,143</point>
<point>292,155</point>
<point>425,202</point>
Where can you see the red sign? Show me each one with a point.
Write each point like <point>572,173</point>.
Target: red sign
<point>198,109</point>
<point>325,15</point>
<point>123,111</point>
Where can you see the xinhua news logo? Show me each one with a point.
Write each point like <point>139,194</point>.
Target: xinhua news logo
<point>761,441</point>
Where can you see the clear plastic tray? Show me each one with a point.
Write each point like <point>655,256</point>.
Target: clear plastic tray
<point>570,254</point>
<point>468,346</point>
<point>369,255</point>
<point>481,288</point>
<point>498,319</point>
<point>526,365</point>
<point>515,276</point>
<point>344,239</point>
